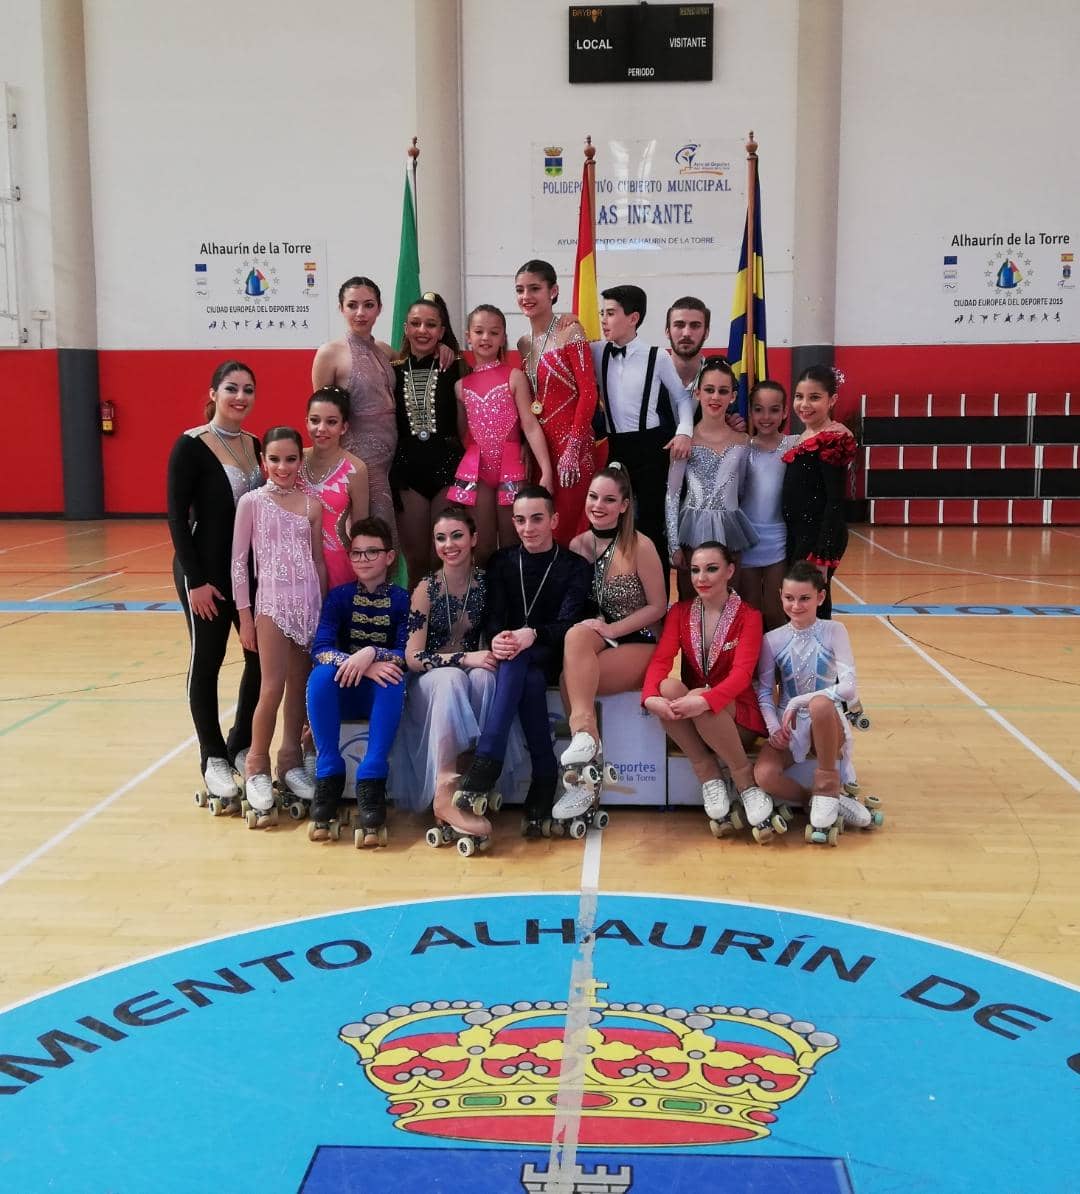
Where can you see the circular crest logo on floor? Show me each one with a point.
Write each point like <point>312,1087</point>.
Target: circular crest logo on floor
<point>534,1043</point>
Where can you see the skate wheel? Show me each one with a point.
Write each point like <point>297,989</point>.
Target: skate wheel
<point>483,843</point>
<point>335,831</point>
<point>787,812</point>
<point>833,836</point>
<point>872,802</point>
<point>591,774</point>
<point>434,838</point>
<point>359,839</point>
<point>738,821</point>
<point>778,823</point>
<point>252,818</point>
<point>862,723</point>
<point>201,799</point>
<point>214,805</point>
<point>495,801</point>
<point>809,832</point>
<point>317,832</point>
<point>877,818</point>
<point>762,834</point>
<point>610,774</point>
<point>466,847</point>
<point>578,829</point>
<point>480,805</point>
<point>601,820</point>
<point>382,835</point>
<point>715,828</point>
<point>297,811</point>
<point>546,827</point>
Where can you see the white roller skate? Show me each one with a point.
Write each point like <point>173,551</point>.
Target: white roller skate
<point>760,814</point>
<point>861,814</point>
<point>583,778</point>
<point>716,796</point>
<point>260,802</point>
<point>221,794</point>
<point>295,792</point>
<point>825,825</point>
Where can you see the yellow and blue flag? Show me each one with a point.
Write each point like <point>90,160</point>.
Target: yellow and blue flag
<point>746,341</point>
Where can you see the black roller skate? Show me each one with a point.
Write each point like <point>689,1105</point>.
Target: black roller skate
<point>325,822</point>
<point>536,815</point>
<point>477,785</point>
<point>371,813</point>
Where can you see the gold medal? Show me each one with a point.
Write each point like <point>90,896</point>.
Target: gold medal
<point>537,407</point>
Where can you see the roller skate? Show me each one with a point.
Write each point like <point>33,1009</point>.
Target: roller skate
<point>325,818</point>
<point>221,794</point>
<point>452,824</point>
<point>536,814</point>
<point>371,813</point>
<point>759,813</point>
<point>716,797</point>
<point>477,788</point>
<point>860,814</point>
<point>855,715</point>
<point>583,778</point>
<point>260,804</point>
<point>295,792</point>
<point>825,824</point>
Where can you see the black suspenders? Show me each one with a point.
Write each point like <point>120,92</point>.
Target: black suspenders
<point>663,401</point>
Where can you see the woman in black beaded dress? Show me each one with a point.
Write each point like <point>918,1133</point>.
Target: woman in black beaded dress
<point>428,446</point>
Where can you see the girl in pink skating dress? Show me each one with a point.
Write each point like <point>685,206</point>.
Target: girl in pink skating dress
<point>282,526</point>
<point>494,408</point>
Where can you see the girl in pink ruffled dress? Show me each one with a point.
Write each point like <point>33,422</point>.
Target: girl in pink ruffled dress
<point>494,409</point>
<point>282,527</point>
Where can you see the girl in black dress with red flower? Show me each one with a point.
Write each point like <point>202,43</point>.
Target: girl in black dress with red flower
<point>815,480</point>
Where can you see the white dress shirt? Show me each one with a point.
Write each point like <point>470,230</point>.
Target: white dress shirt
<point>626,382</point>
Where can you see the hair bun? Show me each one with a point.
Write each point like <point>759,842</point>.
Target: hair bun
<point>617,464</point>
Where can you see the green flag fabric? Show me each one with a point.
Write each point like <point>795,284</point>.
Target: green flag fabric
<point>407,289</point>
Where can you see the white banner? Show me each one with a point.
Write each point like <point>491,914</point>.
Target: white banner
<point>258,294</point>
<point>1008,286</point>
<point>656,197</point>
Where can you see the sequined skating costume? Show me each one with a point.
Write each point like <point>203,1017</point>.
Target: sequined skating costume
<point>494,430</point>
<point>372,433</point>
<point>288,586</point>
<point>702,500</point>
<point>816,661</point>
<point>332,494</point>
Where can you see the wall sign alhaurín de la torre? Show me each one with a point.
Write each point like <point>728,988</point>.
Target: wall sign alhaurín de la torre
<point>641,43</point>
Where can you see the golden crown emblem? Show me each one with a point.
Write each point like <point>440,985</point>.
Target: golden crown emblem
<point>643,1075</point>
<point>552,151</point>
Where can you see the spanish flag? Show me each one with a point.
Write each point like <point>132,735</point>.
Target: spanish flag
<point>746,341</point>
<point>586,296</point>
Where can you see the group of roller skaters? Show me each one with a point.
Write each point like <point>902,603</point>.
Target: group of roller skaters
<point>535,515</point>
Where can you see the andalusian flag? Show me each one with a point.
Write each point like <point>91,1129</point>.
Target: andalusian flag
<point>586,296</point>
<point>746,340</point>
<point>407,289</point>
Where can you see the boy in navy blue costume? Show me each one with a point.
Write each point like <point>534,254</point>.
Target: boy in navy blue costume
<point>536,592</point>
<point>358,659</point>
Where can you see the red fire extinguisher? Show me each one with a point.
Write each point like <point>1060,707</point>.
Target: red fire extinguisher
<point>108,418</point>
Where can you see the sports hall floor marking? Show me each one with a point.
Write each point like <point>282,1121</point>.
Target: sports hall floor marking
<point>955,569</point>
<point>38,542</point>
<point>15,725</point>
<point>976,700</point>
<point>28,860</point>
<point>80,585</point>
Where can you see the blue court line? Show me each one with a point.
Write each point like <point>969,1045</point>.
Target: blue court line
<point>848,611</point>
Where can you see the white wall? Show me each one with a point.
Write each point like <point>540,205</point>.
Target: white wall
<point>236,121</point>
<point>22,67</point>
<point>956,116</point>
<point>516,94</point>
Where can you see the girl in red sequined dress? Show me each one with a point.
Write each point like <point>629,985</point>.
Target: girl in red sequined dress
<point>815,480</point>
<point>494,411</point>
<point>559,366</point>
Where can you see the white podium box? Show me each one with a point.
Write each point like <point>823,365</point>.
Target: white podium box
<point>683,786</point>
<point>633,742</point>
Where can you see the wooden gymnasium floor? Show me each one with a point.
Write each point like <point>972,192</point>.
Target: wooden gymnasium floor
<point>974,751</point>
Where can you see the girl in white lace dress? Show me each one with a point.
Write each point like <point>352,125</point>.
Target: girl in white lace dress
<point>281,526</point>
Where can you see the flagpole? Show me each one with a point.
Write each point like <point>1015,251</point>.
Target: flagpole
<point>590,170</point>
<point>414,157</point>
<point>751,260</point>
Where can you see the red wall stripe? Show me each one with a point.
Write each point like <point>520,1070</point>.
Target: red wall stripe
<point>29,386</point>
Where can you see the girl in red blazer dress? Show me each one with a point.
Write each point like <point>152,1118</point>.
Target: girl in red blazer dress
<point>712,712</point>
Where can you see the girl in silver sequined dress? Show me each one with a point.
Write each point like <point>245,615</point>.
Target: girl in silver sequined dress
<point>703,493</point>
